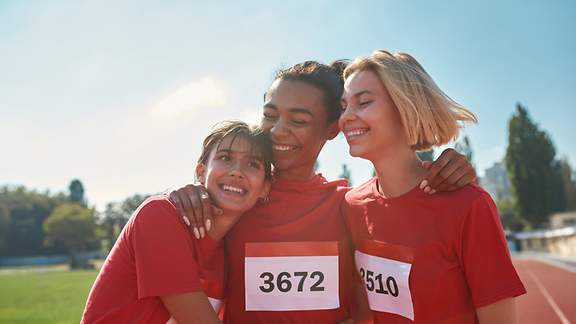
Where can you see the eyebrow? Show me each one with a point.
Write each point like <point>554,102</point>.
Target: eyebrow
<point>292,110</point>
<point>358,94</point>
<point>251,156</point>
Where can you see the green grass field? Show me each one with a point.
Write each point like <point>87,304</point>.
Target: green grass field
<point>44,297</point>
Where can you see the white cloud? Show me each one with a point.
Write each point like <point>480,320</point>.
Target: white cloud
<point>192,97</point>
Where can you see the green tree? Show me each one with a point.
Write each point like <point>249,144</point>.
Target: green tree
<point>27,209</point>
<point>117,214</point>
<point>569,184</point>
<point>130,204</point>
<point>508,215</point>
<point>112,222</point>
<point>345,174</point>
<point>73,226</point>
<point>4,223</point>
<point>535,178</point>
<point>76,190</point>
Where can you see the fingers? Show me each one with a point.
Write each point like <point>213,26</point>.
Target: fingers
<point>434,170</point>
<point>191,202</point>
<point>194,209</point>
<point>174,197</point>
<point>449,174</point>
<point>467,178</point>
<point>207,219</point>
<point>449,184</point>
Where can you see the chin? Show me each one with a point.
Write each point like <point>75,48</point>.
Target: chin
<point>282,164</point>
<point>356,152</point>
<point>227,208</point>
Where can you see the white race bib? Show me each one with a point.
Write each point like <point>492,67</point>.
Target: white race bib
<point>289,276</point>
<point>386,281</point>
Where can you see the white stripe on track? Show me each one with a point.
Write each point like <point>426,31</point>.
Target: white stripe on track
<point>549,298</point>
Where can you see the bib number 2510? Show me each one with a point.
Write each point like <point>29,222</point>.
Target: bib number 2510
<point>286,281</point>
<point>377,284</point>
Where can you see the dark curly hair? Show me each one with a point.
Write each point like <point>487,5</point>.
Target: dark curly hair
<point>327,78</point>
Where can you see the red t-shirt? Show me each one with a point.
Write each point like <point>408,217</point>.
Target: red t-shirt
<point>302,219</point>
<point>453,240</point>
<point>153,256</point>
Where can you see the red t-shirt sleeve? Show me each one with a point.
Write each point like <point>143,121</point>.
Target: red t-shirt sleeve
<point>484,255</point>
<point>163,252</point>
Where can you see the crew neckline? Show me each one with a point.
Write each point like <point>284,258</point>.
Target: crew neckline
<point>415,192</point>
<point>316,181</point>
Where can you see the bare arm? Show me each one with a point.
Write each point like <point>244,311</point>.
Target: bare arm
<point>501,312</point>
<point>195,207</point>
<point>190,308</point>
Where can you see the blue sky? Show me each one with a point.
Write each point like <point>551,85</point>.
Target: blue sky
<point>121,93</point>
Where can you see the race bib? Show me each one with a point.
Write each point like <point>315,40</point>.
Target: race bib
<point>385,270</point>
<point>290,276</point>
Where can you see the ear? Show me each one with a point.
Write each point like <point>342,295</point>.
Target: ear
<point>265,190</point>
<point>333,130</point>
<point>201,173</point>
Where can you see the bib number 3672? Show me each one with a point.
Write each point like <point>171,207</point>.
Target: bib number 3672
<point>291,276</point>
<point>283,282</point>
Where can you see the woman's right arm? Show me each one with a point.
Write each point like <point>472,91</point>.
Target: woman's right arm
<point>195,207</point>
<point>190,308</point>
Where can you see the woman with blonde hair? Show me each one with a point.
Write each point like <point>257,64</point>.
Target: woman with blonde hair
<point>423,258</point>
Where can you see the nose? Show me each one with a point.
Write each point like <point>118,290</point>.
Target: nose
<point>236,170</point>
<point>346,116</point>
<point>279,128</point>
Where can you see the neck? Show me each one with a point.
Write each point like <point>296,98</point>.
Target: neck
<point>222,224</point>
<point>303,173</point>
<point>399,170</point>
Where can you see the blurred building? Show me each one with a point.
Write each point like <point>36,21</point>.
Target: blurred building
<point>559,240</point>
<point>564,219</point>
<point>495,181</point>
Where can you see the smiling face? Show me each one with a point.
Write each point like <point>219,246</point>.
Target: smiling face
<point>234,176</point>
<point>297,120</point>
<point>371,123</point>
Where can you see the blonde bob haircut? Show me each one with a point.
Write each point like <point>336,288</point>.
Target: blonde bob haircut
<point>429,117</point>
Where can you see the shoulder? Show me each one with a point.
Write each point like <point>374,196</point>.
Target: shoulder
<point>155,209</point>
<point>466,196</point>
<point>472,207</point>
<point>338,186</point>
<point>460,207</point>
<point>359,193</point>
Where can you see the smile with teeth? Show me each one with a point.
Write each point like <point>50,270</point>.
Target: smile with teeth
<point>233,189</point>
<point>356,132</point>
<point>280,147</point>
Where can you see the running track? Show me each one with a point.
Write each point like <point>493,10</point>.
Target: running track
<point>551,297</point>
